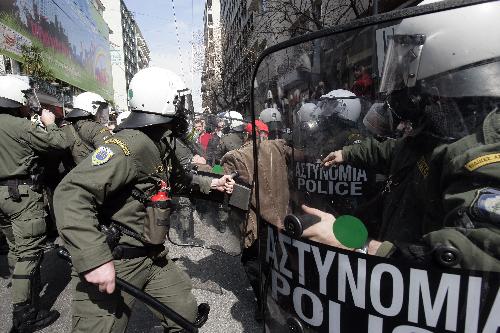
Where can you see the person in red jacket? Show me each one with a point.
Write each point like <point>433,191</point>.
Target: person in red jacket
<point>203,136</point>
<point>363,83</point>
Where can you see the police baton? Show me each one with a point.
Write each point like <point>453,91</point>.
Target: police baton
<point>296,224</point>
<point>153,302</point>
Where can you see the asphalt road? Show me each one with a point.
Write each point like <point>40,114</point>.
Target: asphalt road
<point>218,280</point>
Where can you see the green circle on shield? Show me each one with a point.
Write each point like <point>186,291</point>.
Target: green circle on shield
<point>350,231</point>
<point>218,169</point>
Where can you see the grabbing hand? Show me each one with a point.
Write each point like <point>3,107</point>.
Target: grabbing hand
<point>103,276</point>
<point>321,232</point>
<point>47,117</point>
<point>197,159</point>
<point>224,184</point>
<point>334,158</point>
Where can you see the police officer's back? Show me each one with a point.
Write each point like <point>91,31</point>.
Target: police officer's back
<point>21,199</point>
<point>85,134</point>
<point>234,137</point>
<point>123,188</point>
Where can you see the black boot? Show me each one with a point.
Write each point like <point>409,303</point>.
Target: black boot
<point>27,318</point>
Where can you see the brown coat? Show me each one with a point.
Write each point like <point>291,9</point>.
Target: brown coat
<point>273,180</point>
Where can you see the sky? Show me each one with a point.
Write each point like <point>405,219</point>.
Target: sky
<point>156,21</point>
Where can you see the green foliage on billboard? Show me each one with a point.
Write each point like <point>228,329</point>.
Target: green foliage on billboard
<point>72,35</point>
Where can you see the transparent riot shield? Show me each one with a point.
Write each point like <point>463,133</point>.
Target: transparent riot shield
<point>378,207</point>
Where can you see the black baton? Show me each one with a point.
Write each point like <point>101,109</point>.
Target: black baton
<point>144,298</point>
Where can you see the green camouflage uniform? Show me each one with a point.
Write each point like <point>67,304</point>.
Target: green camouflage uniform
<point>84,136</point>
<point>21,143</point>
<point>185,205</point>
<point>104,185</point>
<point>435,196</point>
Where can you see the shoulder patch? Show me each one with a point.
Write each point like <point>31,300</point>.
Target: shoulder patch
<point>423,167</point>
<point>486,206</point>
<point>104,130</point>
<point>119,143</point>
<point>101,155</point>
<point>482,161</point>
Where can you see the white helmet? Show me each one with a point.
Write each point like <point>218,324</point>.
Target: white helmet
<point>452,53</point>
<point>235,120</point>
<point>340,103</point>
<point>85,105</point>
<point>122,116</point>
<point>12,91</point>
<point>272,118</point>
<point>269,115</point>
<point>153,97</point>
<point>306,113</point>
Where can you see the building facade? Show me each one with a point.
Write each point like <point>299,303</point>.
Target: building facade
<point>129,50</point>
<point>68,41</point>
<point>250,26</point>
<point>212,65</point>
<point>240,52</point>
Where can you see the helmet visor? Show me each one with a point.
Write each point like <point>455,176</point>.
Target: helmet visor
<point>401,62</point>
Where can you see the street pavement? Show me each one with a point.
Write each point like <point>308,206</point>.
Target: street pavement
<point>218,279</point>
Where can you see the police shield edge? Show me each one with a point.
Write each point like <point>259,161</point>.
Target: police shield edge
<point>379,205</point>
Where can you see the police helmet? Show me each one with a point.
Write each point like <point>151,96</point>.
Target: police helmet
<point>272,118</point>
<point>86,105</point>
<point>341,104</point>
<point>12,91</point>
<point>270,115</point>
<point>439,57</point>
<point>306,113</point>
<point>153,97</point>
<point>234,121</point>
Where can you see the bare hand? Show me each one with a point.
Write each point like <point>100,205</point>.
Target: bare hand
<point>103,276</point>
<point>224,184</point>
<point>47,117</point>
<point>334,158</point>
<point>321,232</point>
<point>197,159</point>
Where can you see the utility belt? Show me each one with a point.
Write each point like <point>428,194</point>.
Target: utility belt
<point>13,185</point>
<point>132,252</point>
<point>114,233</point>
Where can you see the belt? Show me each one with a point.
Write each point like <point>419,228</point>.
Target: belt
<point>16,182</point>
<point>132,252</point>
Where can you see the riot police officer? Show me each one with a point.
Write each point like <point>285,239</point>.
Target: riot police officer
<point>234,137</point>
<point>117,188</point>
<point>440,199</point>
<point>21,199</point>
<point>272,118</point>
<point>85,134</point>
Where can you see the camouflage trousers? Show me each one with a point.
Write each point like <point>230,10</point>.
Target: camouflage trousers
<point>96,312</point>
<point>7,236</point>
<point>27,220</point>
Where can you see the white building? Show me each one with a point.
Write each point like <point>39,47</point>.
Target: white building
<point>129,50</point>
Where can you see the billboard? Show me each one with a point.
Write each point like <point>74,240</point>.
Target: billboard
<point>72,35</point>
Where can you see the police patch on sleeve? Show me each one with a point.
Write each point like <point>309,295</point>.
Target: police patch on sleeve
<point>101,155</point>
<point>486,206</point>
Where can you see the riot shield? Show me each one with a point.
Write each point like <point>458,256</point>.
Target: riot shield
<point>378,209</point>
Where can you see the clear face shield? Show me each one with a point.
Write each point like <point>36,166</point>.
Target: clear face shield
<point>401,62</point>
